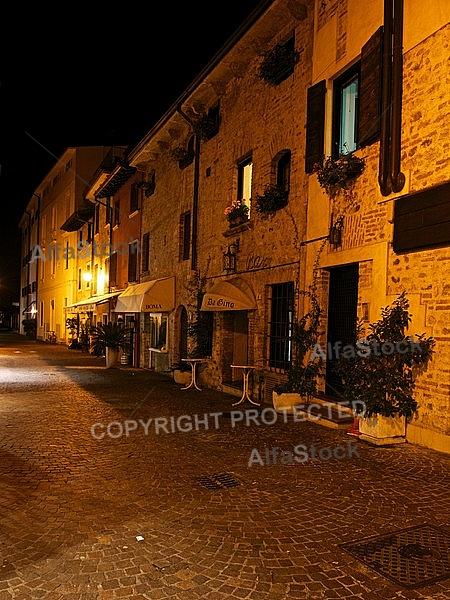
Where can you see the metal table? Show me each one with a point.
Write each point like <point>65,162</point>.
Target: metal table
<point>246,370</point>
<point>193,362</point>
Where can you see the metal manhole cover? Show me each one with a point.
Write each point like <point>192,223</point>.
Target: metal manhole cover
<point>412,557</point>
<point>218,481</point>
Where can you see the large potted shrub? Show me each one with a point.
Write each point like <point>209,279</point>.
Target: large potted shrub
<point>302,376</point>
<point>379,373</point>
<point>29,327</point>
<point>112,339</point>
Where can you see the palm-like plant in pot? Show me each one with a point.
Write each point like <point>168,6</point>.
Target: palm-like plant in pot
<point>379,372</point>
<point>112,339</point>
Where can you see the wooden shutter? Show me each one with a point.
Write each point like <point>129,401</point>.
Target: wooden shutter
<point>422,220</point>
<point>370,90</point>
<point>315,125</point>
<point>145,251</point>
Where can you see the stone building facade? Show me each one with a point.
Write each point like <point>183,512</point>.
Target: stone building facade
<point>255,140</point>
<point>298,82</point>
<point>54,261</point>
<point>243,282</point>
<point>391,241</point>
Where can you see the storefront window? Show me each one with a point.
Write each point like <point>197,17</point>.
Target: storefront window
<point>158,332</point>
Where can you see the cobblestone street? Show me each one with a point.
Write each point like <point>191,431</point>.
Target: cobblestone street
<point>99,502</point>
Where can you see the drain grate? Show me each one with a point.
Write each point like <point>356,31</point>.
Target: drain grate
<point>219,481</point>
<point>412,557</point>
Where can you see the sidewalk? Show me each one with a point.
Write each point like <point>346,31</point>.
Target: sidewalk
<point>115,483</point>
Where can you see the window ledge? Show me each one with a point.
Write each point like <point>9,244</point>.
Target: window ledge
<point>231,231</point>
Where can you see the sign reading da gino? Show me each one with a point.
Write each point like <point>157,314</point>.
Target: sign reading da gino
<point>220,302</point>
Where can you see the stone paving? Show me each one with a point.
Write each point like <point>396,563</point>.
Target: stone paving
<point>87,513</point>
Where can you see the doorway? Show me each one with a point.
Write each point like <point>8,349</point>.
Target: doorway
<point>235,345</point>
<point>342,318</point>
<point>240,343</point>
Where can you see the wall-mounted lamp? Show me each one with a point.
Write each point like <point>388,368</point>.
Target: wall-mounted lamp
<point>230,256</point>
<point>335,237</point>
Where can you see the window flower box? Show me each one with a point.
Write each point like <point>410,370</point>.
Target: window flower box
<point>278,63</point>
<point>274,198</point>
<point>339,173</point>
<point>237,213</point>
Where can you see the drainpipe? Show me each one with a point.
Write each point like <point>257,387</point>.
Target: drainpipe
<point>390,177</point>
<point>384,158</point>
<point>195,192</point>
<point>397,177</point>
<point>28,262</point>
<point>38,241</point>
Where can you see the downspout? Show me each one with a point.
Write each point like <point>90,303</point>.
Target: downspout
<point>28,263</point>
<point>384,158</point>
<point>397,177</point>
<point>195,191</point>
<point>390,177</point>
<point>38,241</point>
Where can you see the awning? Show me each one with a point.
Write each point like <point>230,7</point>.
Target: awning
<point>89,304</point>
<point>231,294</point>
<point>80,217</point>
<point>152,296</point>
<point>116,180</point>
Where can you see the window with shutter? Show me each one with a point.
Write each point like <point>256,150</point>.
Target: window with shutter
<point>185,236</point>
<point>113,269</point>
<point>145,252</point>
<point>132,262</point>
<point>134,198</point>
<point>315,125</point>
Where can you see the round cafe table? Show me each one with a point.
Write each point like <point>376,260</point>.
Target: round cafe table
<point>246,370</point>
<point>193,362</point>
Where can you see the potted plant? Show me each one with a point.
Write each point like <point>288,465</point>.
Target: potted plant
<point>272,199</point>
<point>303,373</point>
<point>112,339</point>
<point>206,125</point>
<point>339,173</point>
<point>183,156</point>
<point>379,372</point>
<point>278,63</point>
<point>237,213</point>
<point>29,327</point>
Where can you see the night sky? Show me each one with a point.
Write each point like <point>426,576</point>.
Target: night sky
<point>83,76</point>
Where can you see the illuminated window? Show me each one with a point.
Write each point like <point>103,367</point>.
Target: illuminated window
<point>346,111</point>
<point>245,168</point>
